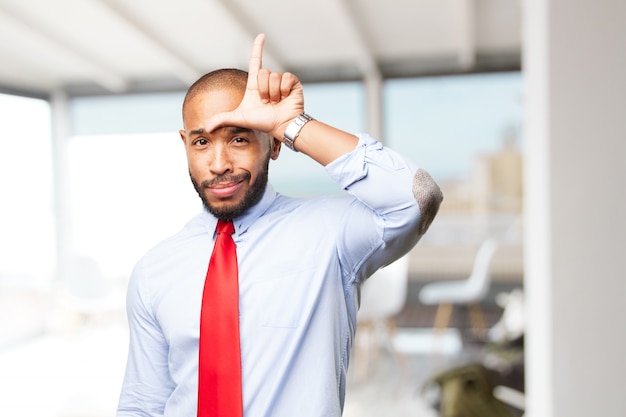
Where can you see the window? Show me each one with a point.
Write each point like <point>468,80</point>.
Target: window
<point>128,192</point>
<point>27,243</point>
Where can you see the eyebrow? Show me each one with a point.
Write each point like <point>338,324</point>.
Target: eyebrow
<point>197,131</point>
<point>231,130</point>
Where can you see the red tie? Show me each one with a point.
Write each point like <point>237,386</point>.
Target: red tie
<point>219,368</point>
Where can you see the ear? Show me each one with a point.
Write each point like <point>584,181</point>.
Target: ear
<point>183,136</point>
<point>275,144</point>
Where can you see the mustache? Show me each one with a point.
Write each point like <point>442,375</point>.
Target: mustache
<point>226,178</point>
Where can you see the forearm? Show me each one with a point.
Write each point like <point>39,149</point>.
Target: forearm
<point>322,142</point>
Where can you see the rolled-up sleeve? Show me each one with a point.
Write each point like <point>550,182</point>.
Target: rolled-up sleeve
<point>403,197</point>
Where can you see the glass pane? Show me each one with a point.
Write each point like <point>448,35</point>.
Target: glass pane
<point>27,240</point>
<point>337,104</point>
<point>466,131</point>
<point>128,192</point>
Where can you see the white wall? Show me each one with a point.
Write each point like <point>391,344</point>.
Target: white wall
<point>575,69</point>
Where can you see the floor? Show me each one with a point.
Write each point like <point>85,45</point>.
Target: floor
<point>398,385</point>
<point>76,369</point>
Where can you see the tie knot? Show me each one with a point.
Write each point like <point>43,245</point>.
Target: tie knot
<point>225,226</point>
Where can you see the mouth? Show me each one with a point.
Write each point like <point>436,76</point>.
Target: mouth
<point>224,190</point>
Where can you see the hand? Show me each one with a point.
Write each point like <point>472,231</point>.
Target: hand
<point>271,100</point>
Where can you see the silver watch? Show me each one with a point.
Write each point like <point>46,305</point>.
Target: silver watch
<point>293,130</point>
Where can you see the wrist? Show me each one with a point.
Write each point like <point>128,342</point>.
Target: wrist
<point>292,131</point>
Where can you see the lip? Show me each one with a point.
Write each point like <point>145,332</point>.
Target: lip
<point>225,190</point>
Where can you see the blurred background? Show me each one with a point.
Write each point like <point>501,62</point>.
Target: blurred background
<point>527,146</point>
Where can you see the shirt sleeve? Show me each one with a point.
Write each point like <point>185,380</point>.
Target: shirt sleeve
<point>398,201</point>
<point>147,383</point>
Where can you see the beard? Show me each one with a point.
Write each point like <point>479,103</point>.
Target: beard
<point>252,196</point>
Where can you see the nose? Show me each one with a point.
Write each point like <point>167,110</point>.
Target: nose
<point>220,162</point>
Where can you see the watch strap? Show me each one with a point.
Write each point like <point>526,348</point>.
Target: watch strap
<point>293,130</point>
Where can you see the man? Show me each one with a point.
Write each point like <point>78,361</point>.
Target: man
<point>300,262</point>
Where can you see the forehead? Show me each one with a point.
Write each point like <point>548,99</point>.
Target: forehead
<point>209,103</point>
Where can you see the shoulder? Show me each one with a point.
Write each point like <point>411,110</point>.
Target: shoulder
<point>194,232</point>
<point>324,207</point>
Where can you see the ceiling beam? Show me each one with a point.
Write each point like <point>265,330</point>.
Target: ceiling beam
<point>247,26</point>
<point>30,93</point>
<point>366,61</point>
<point>100,72</point>
<point>185,71</point>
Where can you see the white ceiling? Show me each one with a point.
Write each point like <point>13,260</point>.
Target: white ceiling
<point>118,46</point>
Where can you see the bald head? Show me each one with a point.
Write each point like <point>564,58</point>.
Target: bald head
<point>228,78</point>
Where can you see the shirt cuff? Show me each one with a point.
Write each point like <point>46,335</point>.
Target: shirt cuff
<point>352,167</point>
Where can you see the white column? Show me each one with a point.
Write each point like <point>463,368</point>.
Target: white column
<point>373,95</point>
<point>575,184</point>
<point>62,207</point>
<point>467,30</point>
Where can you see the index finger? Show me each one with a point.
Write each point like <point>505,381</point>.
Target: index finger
<point>256,56</point>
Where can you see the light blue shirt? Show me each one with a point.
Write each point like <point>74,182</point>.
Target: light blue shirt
<point>301,262</point>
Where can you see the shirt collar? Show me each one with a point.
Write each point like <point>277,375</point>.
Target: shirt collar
<point>243,222</point>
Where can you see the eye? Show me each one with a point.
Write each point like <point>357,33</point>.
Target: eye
<point>240,140</point>
<point>200,142</point>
